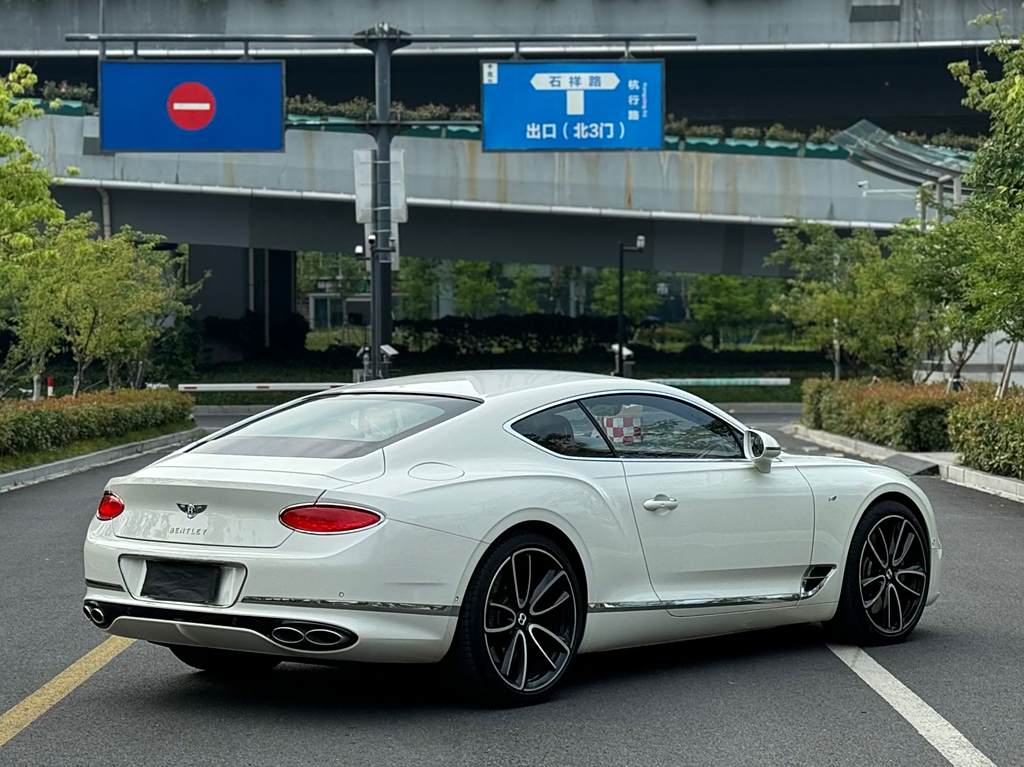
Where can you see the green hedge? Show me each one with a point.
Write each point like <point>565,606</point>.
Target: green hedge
<point>27,426</point>
<point>989,434</point>
<point>901,416</point>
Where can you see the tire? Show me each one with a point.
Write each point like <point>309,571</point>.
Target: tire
<point>885,582</point>
<point>515,642</point>
<point>224,662</point>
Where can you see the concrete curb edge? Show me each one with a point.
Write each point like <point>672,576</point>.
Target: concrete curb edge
<point>1004,487</point>
<point>14,480</point>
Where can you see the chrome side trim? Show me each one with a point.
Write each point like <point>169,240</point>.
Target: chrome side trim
<point>685,604</point>
<point>103,585</point>
<point>407,608</point>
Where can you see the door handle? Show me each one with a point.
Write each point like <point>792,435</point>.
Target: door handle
<point>660,502</point>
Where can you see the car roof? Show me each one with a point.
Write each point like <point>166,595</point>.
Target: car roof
<point>518,391</point>
<point>493,384</point>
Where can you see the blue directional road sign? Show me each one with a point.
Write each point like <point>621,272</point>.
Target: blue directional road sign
<point>192,106</point>
<point>572,105</point>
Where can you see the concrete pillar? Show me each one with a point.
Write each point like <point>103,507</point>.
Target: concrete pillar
<point>225,292</point>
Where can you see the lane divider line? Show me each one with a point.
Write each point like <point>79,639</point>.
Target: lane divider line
<point>943,736</point>
<point>16,719</point>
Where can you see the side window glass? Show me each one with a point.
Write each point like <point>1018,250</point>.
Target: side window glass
<point>564,429</point>
<point>645,426</point>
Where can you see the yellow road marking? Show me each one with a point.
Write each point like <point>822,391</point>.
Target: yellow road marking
<point>16,719</point>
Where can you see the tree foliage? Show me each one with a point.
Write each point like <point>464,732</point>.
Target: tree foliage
<point>477,292</point>
<point>846,288</point>
<point>524,293</point>
<point>640,294</point>
<point>418,280</point>
<point>720,301</point>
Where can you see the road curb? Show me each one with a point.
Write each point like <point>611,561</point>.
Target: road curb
<point>954,473</point>
<point>14,480</point>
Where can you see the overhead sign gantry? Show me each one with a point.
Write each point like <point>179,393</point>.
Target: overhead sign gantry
<point>194,114</point>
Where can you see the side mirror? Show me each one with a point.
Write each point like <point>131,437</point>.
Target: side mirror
<point>762,449</point>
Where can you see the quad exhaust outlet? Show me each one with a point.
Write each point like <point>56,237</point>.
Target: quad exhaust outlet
<point>308,636</point>
<point>290,634</point>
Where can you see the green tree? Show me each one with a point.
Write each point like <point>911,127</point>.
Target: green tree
<point>720,301</point>
<point>124,292</point>
<point>821,264</point>
<point>945,264</point>
<point>476,288</point>
<point>890,327</point>
<point>26,206</point>
<point>846,293</point>
<point>997,167</point>
<point>640,294</point>
<point>418,279</point>
<point>524,293</point>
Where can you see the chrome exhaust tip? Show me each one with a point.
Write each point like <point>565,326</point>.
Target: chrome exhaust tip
<point>324,637</point>
<point>288,635</point>
<point>95,614</point>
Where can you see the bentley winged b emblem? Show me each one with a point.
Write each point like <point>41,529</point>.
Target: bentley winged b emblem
<point>192,509</point>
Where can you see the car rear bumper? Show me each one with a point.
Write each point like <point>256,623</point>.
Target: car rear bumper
<point>362,635</point>
<point>392,593</point>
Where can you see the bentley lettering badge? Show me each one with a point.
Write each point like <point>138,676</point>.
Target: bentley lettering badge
<point>192,509</point>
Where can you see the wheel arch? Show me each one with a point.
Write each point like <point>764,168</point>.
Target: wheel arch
<point>899,497</point>
<point>543,524</point>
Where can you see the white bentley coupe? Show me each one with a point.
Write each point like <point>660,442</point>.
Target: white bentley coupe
<point>501,522</point>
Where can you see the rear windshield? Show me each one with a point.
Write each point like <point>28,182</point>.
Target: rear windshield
<point>340,426</point>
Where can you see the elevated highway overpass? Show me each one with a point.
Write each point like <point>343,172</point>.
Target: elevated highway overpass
<point>704,207</point>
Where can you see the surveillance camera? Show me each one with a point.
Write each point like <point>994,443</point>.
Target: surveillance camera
<point>359,251</point>
<point>371,239</point>
<point>641,241</point>
<point>864,184</point>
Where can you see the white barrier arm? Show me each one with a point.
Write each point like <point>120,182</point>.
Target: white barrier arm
<point>201,387</point>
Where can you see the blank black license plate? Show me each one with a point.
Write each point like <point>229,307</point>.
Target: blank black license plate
<point>181,582</point>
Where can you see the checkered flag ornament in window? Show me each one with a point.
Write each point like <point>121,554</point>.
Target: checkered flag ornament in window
<point>624,429</point>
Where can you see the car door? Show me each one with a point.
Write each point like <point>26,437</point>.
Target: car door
<point>716,532</point>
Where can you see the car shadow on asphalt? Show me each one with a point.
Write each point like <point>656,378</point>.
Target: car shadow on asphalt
<point>294,688</point>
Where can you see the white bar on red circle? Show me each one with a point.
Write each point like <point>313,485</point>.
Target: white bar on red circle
<point>187,106</point>
<point>49,386</point>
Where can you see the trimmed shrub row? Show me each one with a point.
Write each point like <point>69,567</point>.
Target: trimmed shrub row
<point>989,434</point>
<point>902,416</point>
<point>27,426</point>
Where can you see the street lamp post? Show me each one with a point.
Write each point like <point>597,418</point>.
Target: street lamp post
<point>623,250</point>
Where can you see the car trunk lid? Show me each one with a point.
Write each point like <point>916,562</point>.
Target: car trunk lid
<point>227,500</point>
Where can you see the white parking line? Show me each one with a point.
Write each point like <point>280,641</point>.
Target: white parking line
<point>943,736</point>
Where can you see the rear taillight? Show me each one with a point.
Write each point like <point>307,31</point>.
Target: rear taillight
<point>110,506</point>
<point>328,519</point>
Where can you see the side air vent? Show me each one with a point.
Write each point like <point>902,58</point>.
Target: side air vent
<point>814,578</point>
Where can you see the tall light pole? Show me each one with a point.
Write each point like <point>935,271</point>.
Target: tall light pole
<point>623,250</point>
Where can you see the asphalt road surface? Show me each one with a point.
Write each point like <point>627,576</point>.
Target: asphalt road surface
<point>776,697</point>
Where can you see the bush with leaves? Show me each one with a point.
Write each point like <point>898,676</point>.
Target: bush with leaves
<point>901,416</point>
<point>989,434</point>
<point>27,427</point>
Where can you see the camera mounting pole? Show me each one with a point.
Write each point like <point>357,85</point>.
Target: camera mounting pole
<point>382,40</point>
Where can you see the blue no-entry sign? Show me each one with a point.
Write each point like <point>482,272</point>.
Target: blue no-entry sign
<point>192,106</point>
<point>572,105</point>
